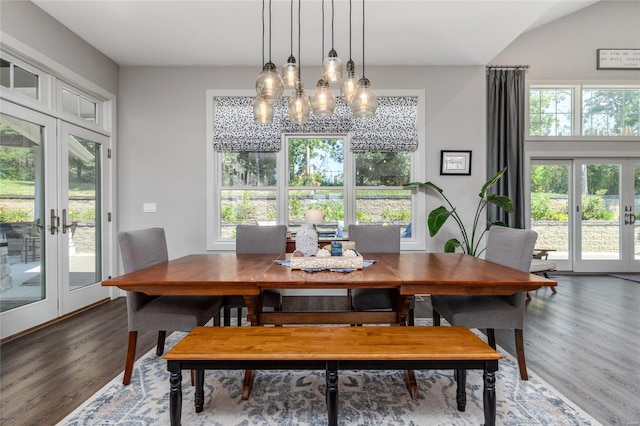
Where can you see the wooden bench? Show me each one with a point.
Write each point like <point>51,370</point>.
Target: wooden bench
<point>332,349</point>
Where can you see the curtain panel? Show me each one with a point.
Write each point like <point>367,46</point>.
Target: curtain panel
<point>505,141</point>
<point>392,128</point>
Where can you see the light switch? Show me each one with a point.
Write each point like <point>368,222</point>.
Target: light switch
<point>149,207</point>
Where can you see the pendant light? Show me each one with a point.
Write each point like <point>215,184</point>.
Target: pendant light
<point>365,100</point>
<point>262,108</point>
<point>269,84</point>
<point>332,67</point>
<point>323,100</point>
<point>290,69</point>
<point>299,108</point>
<point>350,81</point>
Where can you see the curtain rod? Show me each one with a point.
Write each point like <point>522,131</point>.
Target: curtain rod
<point>508,66</point>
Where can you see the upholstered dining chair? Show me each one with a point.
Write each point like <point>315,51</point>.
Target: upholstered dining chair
<point>254,239</point>
<point>147,247</point>
<point>371,239</point>
<point>509,247</point>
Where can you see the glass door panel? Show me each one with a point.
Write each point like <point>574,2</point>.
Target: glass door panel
<point>550,206</point>
<point>27,292</point>
<point>81,218</point>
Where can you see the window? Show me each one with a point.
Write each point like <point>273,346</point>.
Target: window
<point>353,172</point>
<point>79,105</point>
<point>19,79</point>
<point>584,111</point>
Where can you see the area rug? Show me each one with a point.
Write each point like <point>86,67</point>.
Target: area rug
<point>297,398</point>
<point>628,277</point>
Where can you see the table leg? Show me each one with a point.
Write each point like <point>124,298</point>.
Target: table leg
<point>461,392</point>
<point>332,393</point>
<point>412,383</point>
<point>246,385</point>
<point>489,398</point>
<point>175,397</point>
<point>199,396</point>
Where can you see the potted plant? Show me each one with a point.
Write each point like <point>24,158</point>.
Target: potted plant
<point>470,243</point>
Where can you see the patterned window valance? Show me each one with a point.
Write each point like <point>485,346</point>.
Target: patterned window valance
<point>392,128</point>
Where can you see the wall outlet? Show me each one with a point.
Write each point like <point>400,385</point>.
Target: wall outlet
<point>149,207</point>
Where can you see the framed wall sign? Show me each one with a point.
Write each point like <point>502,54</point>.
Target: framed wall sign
<point>618,59</point>
<point>455,162</point>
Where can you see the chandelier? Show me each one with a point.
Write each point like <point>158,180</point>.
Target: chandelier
<point>356,92</point>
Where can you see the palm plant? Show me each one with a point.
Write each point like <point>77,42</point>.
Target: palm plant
<point>471,240</point>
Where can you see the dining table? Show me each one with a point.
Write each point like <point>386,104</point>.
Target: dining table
<point>248,275</point>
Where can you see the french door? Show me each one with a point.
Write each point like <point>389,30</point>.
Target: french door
<point>607,203</point>
<point>51,196</point>
<point>586,211</point>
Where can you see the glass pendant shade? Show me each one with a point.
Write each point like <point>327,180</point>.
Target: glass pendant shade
<point>332,67</point>
<point>290,72</point>
<point>349,83</point>
<point>299,108</point>
<point>365,100</point>
<point>262,111</point>
<point>269,85</point>
<point>323,100</point>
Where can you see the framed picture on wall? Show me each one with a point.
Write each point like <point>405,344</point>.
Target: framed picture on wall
<point>455,162</point>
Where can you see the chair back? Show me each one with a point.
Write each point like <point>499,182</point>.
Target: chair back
<point>140,249</point>
<point>254,239</point>
<point>513,248</point>
<point>375,238</point>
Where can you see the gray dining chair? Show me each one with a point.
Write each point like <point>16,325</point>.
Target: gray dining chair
<point>371,239</point>
<point>147,247</point>
<point>509,247</point>
<point>255,239</point>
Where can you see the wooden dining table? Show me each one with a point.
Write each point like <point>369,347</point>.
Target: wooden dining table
<point>248,275</point>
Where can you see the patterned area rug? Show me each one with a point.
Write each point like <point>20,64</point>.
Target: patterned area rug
<point>297,398</point>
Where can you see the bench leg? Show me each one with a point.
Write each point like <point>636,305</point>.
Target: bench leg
<point>461,392</point>
<point>411,383</point>
<point>332,393</point>
<point>175,397</point>
<point>489,398</point>
<point>199,395</point>
<point>246,384</point>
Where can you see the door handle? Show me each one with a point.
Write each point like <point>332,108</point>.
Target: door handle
<point>64,222</point>
<point>55,222</point>
<point>632,218</point>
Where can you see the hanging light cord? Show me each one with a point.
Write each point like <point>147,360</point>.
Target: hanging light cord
<point>291,27</point>
<point>322,54</point>
<point>363,73</point>
<point>333,15</point>
<point>349,29</point>
<point>269,30</point>
<point>299,57</point>
<point>262,32</point>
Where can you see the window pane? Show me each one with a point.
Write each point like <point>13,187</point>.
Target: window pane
<point>5,73</point>
<point>25,82</point>
<point>550,112</point>
<point>382,168</point>
<point>383,206</point>
<point>70,102</point>
<point>611,112</point>
<point>245,207</point>
<point>87,109</point>
<point>243,168</point>
<point>330,201</point>
<point>316,162</point>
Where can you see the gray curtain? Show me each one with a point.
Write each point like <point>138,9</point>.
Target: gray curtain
<point>505,140</point>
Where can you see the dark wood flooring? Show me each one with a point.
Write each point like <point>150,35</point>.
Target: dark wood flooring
<point>584,341</point>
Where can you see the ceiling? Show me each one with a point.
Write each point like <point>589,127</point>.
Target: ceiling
<point>228,33</point>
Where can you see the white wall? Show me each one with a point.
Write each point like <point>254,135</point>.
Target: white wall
<point>161,155</point>
<point>33,27</point>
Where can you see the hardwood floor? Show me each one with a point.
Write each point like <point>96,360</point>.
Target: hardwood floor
<point>584,341</point>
